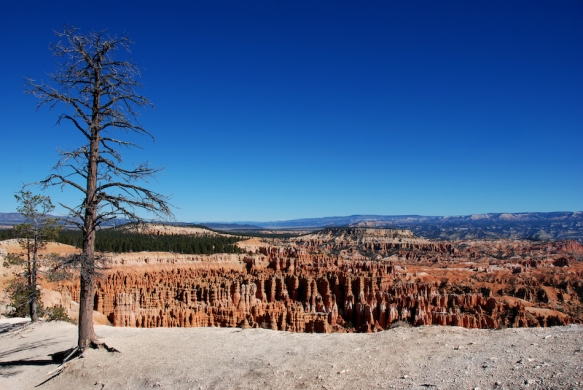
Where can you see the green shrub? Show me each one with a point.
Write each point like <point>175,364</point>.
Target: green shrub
<point>57,313</point>
<point>19,294</point>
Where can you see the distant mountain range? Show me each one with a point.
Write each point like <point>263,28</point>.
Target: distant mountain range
<point>535,226</point>
<point>10,219</point>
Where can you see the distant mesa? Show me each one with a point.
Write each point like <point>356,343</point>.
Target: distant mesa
<point>357,235</point>
<point>231,226</point>
<point>414,219</point>
<point>531,226</point>
<point>168,229</point>
<point>551,226</point>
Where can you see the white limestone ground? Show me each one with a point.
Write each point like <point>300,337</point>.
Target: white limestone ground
<point>429,357</point>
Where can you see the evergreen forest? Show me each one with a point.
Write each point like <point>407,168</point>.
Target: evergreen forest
<point>121,240</point>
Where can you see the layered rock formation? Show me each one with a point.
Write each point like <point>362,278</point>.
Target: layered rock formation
<point>359,280</point>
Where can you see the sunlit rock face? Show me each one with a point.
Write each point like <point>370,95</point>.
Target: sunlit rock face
<point>351,280</point>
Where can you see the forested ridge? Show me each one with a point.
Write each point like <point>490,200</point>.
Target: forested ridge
<point>6,234</point>
<point>120,240</point>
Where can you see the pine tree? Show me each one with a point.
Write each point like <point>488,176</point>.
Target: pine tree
<point>33,235</point>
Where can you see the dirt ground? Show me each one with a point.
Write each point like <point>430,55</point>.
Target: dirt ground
<point>429,357</point>
<point>52,247</point>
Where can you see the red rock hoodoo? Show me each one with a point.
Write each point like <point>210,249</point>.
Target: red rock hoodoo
<point>354,280</point>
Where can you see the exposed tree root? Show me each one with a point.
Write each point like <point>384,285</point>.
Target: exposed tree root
<point>98,344</point>
<point>74,353</point>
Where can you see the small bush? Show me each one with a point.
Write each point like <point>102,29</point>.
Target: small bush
<point>19,294</point>
<point>57,313</point>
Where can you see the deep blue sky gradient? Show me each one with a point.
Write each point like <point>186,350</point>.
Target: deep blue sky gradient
<point>278,110</point>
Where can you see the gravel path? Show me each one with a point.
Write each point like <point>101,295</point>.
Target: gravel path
<point>403,358</point>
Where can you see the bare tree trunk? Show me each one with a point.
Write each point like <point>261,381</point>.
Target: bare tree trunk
<point>33,297</point>
<point>86,298</point>
<point>86,331</point>
<point>32,285</point>
<point>33,310</point>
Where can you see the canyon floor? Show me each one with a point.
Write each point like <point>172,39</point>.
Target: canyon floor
<point>428,357</point>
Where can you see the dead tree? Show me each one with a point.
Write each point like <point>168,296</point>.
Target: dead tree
<point>98,92</point>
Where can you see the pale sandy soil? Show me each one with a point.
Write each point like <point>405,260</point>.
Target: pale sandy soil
<point>169,229</point>
<point>403,358</point>
<point>52,247</point>
<point>253,244</point>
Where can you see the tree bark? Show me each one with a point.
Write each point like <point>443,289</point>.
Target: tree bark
<point>32,286</point>
<point>86,331</point>
<point>86,297</point>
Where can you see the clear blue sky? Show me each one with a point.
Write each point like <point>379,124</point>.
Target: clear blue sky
<point>272,110</point>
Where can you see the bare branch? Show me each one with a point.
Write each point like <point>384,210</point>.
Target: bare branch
<point>60,180</point>
<point>119,142</point>
<point>141,172</point>
<point>98,91</point>
<point>70,118</point>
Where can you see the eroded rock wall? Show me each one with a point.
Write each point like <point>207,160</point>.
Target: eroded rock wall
<point>293,289</point>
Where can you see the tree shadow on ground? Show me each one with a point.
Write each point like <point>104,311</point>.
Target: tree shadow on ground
<point>26,347</point>
<point>13,327</point>
<point>9,368</point>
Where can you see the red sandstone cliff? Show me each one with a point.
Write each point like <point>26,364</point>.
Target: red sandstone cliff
<point>325,284</point>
